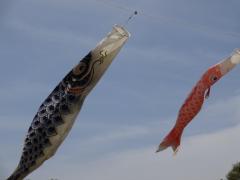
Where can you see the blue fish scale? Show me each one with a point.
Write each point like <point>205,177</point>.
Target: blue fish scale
<point>51,114</point>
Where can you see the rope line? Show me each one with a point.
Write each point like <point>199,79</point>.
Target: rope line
<point>164,19</point>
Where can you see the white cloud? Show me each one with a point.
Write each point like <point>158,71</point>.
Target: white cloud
<point>225,108</point>
<point>207,157</point>
<point>17,90</point>
<point>119,134</point>
<point>50,34</point>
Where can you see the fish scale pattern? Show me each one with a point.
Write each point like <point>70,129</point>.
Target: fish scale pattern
<point>56,115</point>
<point>191,106</point>
<point>43,127</point>
<point>50,116</point>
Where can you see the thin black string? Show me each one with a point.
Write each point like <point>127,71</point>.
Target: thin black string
<point>130,17</point>
<point>163,19</point>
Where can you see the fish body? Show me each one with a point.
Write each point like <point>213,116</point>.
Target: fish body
<point>193,103</point>
<point>56,115</point>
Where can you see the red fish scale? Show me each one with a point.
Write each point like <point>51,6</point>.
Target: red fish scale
<point>191,106</point>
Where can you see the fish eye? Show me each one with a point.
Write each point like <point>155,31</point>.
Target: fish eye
<point>80,68</point>
<point>214,78</point>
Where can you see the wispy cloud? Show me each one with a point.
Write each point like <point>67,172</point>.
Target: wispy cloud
<point>123,121</point>
<point>53,35</point>
<point>217,114</point>
<point>119,134</point>
<point>15,89</point>
<point>204,156</point>
<point>207,157</point>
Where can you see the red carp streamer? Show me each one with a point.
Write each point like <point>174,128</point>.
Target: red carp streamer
<point>195,99</point>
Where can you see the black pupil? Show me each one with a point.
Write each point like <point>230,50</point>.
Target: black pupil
<point>214,78</point>
<point>81,68</point>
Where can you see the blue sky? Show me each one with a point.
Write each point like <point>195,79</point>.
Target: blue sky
<point>136,102</point>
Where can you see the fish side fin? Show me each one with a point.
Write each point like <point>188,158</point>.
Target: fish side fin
<point>171,140</point>
<point>207,93</point>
